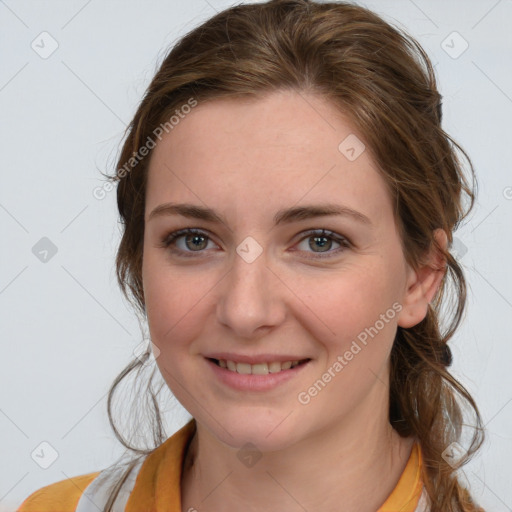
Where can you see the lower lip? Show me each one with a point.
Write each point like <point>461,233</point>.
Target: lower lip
<point>244,382</point>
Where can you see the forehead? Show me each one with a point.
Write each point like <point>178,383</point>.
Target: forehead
<point>269,152</point>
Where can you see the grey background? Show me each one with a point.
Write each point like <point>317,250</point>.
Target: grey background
<point>66,331</point>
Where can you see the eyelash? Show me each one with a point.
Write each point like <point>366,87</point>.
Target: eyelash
<point>171,238</point>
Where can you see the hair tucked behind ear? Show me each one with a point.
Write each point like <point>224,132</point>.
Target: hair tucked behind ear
<point>383,81</point>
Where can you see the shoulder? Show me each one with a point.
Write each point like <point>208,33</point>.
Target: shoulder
<point>62,496</point>
<point>90,492</point>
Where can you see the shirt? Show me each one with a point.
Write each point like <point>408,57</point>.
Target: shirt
<point>154,485</point>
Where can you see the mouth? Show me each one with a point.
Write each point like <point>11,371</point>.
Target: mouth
<point>264,368</point>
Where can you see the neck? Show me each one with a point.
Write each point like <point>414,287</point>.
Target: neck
<point>357,463</point>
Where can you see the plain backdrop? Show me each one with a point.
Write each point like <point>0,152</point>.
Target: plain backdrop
<point>71,76</point>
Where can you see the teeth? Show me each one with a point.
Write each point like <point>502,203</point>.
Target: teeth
<point>243,368</point>
<point>274,367</point>
<point>257,369</point>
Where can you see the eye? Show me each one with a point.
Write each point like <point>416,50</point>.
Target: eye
<point>322,240</point>
<point>194,240</point>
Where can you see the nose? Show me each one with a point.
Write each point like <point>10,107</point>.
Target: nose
<point>251,300</point>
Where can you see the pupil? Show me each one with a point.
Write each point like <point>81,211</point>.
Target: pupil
<point>195,238</point>
<point>319,239</point>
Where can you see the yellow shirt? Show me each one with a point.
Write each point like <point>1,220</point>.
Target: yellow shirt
<point>157,486</point>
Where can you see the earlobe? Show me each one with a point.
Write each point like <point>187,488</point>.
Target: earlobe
<point>423,283</point>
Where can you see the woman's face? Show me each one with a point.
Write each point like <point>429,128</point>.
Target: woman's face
<point>263,284</point>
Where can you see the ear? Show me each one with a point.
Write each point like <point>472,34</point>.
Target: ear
<point>423,283</point>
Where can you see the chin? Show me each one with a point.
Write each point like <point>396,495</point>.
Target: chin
<point>264,429</point>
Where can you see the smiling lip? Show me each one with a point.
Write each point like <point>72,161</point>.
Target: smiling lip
<point>252,382</point>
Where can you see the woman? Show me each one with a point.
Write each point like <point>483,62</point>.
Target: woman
<point>288,199</point>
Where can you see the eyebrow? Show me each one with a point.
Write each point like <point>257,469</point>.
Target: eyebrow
<point>284,216</point>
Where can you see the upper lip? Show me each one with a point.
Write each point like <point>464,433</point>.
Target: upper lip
<point>254,359</point>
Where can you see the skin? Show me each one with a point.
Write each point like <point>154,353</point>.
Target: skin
<point>246,159</point>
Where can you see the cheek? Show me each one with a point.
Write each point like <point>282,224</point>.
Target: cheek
<point>344,306</point>
<point>174,301</point>
<point>355,358</point>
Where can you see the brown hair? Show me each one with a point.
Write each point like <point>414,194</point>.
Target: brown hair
<point>384,82</point>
